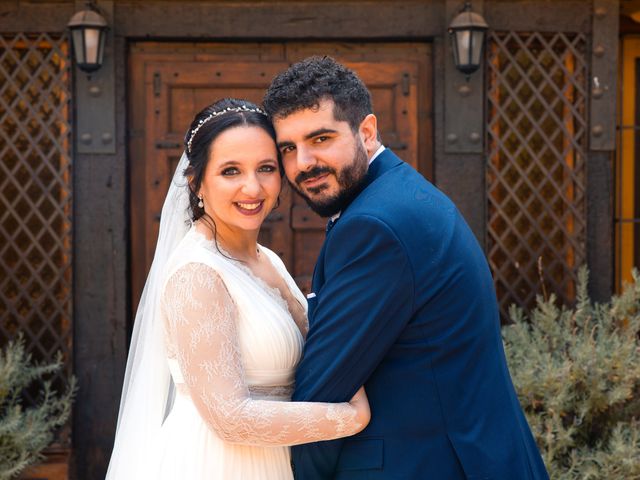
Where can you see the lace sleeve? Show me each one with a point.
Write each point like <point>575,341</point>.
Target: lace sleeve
<point>201,324</point>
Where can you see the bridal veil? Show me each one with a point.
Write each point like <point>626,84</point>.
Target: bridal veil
<point>147,392</point>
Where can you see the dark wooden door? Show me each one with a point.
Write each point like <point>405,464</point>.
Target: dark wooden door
<point>169,83</point>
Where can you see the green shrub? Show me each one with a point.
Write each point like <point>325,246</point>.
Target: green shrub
<point>26,430</point>
<point>577,374</point>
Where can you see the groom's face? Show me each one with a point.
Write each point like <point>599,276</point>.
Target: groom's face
<point>324,160</point>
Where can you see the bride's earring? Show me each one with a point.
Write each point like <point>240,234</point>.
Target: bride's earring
<point>200,203</point>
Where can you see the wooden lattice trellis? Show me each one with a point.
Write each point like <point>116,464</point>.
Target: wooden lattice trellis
<point>35,194</point>
<point>536,179</point>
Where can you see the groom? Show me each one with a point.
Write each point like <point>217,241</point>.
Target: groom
<point>403,302</point>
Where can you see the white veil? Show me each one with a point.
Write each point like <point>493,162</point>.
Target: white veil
<point>147,391</point>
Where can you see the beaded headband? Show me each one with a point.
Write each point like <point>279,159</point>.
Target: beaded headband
<point>218,113</point>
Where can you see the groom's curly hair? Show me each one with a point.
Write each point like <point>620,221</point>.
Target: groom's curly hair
<point>306,83</point>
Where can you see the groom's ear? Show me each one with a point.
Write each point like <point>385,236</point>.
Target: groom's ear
<point>368,131</point>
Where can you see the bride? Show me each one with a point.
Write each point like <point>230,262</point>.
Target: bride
<point>221,323</point>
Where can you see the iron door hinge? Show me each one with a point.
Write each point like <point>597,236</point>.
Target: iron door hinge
<point>157,84</point>
<point>168,145</point>
<point>406,84</point>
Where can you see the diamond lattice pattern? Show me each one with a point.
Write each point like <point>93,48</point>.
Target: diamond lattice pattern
<point>35,194</point>
<point>537,137</point>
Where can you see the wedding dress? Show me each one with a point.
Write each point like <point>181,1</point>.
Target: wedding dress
<point>211,366</point>
<point>232,347</point>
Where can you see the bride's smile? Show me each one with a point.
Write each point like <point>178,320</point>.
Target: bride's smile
<point>250,207</point>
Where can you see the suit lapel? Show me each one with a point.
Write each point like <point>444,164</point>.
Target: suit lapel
<point>317,280</point>
<point>385,161</point>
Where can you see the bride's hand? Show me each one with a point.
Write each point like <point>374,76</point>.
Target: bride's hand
<point>361,403</point>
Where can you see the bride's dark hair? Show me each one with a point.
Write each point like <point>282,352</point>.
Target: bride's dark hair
<point>214,122</point>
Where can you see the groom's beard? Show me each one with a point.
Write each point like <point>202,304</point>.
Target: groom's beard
<point>351,180</point>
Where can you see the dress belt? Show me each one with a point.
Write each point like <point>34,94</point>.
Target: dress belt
<point>281,376</point>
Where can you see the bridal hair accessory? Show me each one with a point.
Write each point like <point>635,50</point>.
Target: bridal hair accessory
<point>244,108</point>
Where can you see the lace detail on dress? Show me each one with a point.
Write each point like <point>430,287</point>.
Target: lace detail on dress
<point>200,321</point>
<point>273,292</point>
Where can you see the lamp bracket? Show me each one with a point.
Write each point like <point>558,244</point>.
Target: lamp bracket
<point>95,122</point>
<point>463,98</point>
<point>604,71</point>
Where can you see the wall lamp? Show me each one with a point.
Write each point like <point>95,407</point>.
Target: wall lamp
<point>467,32</point>
<point>88,32</point>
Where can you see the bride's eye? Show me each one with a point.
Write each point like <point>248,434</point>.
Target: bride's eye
<point>267,169</point>
<point>227,172</point>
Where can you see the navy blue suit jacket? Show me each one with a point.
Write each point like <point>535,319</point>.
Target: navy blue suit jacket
<point>405,304</point>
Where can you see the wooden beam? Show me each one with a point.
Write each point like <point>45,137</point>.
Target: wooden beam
<point>20,17</point>
<point>101,280</point>
<point>600,245</point>
<point>385,19</point>
<point>288,19</point>
<point>539,15</point>
<point>602,88</point>
<point>459,175</point>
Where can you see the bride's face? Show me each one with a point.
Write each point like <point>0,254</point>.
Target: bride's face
<point>241,181</point>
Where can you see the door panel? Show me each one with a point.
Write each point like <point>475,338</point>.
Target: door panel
<point>171,82</point>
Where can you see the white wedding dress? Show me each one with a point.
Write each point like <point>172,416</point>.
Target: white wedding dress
<point>232,344</point>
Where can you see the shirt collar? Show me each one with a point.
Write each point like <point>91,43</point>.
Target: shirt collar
<point>381,149</point>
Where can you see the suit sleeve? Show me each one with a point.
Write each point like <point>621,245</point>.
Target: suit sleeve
<point>363,306</point>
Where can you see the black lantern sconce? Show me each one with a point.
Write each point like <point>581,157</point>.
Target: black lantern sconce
<point>467,31</point>
<point>88,33</point>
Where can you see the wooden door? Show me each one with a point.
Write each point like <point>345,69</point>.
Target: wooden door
<point>169,83</point>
